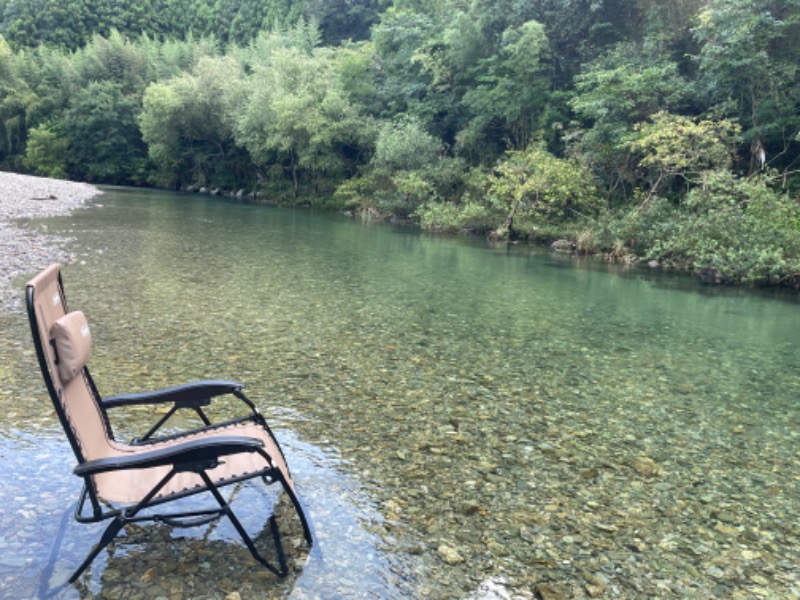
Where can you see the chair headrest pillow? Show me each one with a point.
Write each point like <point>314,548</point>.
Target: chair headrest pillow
<point>73,342</point>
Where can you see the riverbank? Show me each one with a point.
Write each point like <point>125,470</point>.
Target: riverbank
<point>24,250</point>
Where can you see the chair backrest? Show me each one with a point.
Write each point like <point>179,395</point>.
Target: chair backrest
<point>63,346</point>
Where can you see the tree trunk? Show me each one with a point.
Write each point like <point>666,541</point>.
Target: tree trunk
<point>504,231</point>
<point>294,176</point>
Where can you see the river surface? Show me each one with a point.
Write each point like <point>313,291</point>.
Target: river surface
<point>462,421</point>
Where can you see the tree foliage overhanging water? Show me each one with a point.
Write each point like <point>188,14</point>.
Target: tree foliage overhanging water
<point>664,131</point>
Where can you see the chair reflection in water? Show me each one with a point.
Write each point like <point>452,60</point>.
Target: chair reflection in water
<point>135,482</point>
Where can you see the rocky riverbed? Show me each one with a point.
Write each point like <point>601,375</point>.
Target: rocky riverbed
<point>24,250</point>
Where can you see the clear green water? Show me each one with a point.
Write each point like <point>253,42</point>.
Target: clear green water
<point>458,417</point>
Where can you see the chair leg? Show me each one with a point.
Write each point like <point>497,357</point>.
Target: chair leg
<point>108,535</point>
<point>118,523</point>
<point>282,570</point>
<point>301,512</point>
<point>277,476</point>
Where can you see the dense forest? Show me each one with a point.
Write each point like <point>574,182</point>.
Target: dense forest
<point>658,130</point>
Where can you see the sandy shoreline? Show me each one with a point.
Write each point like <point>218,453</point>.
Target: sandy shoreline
<point>24,251</point>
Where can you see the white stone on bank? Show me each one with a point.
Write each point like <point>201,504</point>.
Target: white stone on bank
<point>24,251</point>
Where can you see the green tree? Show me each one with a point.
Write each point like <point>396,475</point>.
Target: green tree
<point>46,153</point>
<point>616,91</point>
<point>513,91</point>
<point>187,123</point>
<point>19,23</point>
<point>672,146</point>
<point>105,143</point>
<point>11,111</point>
<point>403,82</point>
<point>116,59</point>
<point>533,187</point>
<point>283,14</point>
<point>356,65</point>
<point>296,114</point>
<point>405,146</point>
<point>405,156</point>
<point>341,20</point>
<point>33,92</point>
<point>749,70</point>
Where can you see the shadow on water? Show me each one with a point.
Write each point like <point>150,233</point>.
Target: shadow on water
<point>460,420</point>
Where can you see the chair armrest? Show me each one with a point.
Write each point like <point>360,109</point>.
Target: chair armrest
<point>187,393</point>
<point>195,451</point>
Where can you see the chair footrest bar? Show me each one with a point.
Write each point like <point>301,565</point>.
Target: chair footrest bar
<point>186,522</point>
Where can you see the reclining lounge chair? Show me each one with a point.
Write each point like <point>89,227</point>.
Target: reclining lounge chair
<point>135,482</point>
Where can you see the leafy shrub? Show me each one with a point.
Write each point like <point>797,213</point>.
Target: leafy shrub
<point>451,217</point>
<point>730,229</point>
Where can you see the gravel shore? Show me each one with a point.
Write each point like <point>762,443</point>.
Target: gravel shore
<point>24,251</point>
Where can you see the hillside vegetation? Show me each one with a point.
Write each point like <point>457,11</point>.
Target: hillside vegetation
<point>664,131</point>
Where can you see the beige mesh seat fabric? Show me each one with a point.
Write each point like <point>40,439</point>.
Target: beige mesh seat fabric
<point>130,482</point>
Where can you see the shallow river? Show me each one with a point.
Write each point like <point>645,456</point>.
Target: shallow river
<point>462,421</point>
